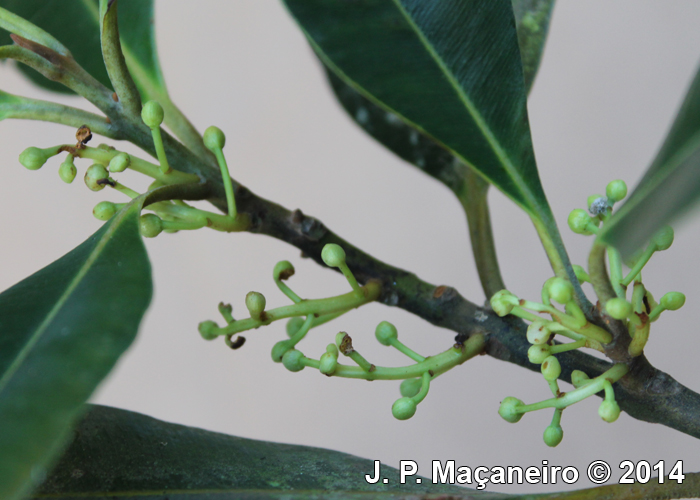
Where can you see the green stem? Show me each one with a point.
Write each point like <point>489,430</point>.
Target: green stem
<point>599,275</point>
<point>437,364</point>
<point>160,151</point>
<point>350,277</point>
<point>640,339</point>
<point>113,57</point>
<point>473,197</point>
<point>616,272</point>
<point>639,265</point>
<point>345,302</point>
<point>424,388</point>
<point>284,288</point>
<point>594,386</point>
<point>228,187</point>
<point>571,346</point>
<point>401,347</point>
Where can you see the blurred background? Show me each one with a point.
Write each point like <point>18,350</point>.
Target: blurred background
<point>611,80</point>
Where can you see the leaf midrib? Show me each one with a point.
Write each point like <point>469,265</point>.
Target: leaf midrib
<point>41,329</point>
<point>471,109</point>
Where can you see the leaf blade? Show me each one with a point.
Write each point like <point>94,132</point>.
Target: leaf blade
<point>436,68</point>
<point>50,358</point>
<point>668,189</point>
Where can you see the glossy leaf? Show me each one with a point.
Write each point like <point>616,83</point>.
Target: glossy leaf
<point>75,23</point>
<point>61,332</point>
<point>669,188</point>
<point>450,69</point>
<point>532,20</point>
<point>117,453</point>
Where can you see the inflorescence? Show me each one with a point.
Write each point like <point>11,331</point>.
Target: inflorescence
<point>637,313</point>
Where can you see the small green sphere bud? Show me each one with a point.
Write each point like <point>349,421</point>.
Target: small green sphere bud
<point>551,369</point>
<point>509,409</point>
<point>214,138</point>
<point>578,378</point>
<point>404,408</point>
<point>410,387</point>
<point>616,190</point>
<point>384,332</point>
<point>293,360</point>
<point>581,274</point>
<point>328,363</point>
<point>663,239</point>
<point>673,301</point>
<point>538,332</point>
<point>618,308</point>
<point>332,349</point>
<point>104,210</point>
<point>579,221</point>
<point>283,270</point>
<point>279,349</point>
<point>67,170</point>
<point>538,353</point>
<point>150,225</point>
<point>152,114</point>
<point>293,325</point>
<point>333,255</point>
<point>119,162</point>
<point>609,410</point>
<point>207,330</point>
<point>94,175</point>
<point>255,302</point>
<point>33,158</point>
<point>561,290</point>
<point>553,435</point>
<point>503,302</point>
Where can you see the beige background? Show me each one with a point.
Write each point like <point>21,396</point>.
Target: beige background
<point>612,77</point>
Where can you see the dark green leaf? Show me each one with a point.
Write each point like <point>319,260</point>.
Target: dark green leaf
<point>668,189</point>
<point>532,21</point>
<point>116,453</point>
<point>450,69</point>
<point>61,332</point>
<point>75,23</point>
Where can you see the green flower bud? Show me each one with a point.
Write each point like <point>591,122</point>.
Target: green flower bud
<point>104,210</point>
<point>663,239</point>
<point>503,302</point>
<point>609,410</point>
<point>34,158</point>
<point>618,308</point>
<point>333,255</point>
<point>152,114</point>
<point>150,225</point>
<point>94,174</point>
<point>553,435</point>
<point>404,408</point>
<point>279,349</point>
<point>616,190</point>
<point>509,409</point>
<point>67,170</point>
<point>328,363</point>
<point>538,332</point>
<point>578,378</point>
<point>332,349</point>
<point>579,220</point>
<point>673,301</point>
<point>255,302</point>
<point>538,353</point>
<point>384,332</point>
<point>410,387</point>
<point>551,369</point>
<point>283,270</point>
<point>560,290</point>
<point>119,162</point>
<point>214,138</point>
<point>293,360</point>
<point>207,330</point>
<point>293,325</point>
<point>581,274</point>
